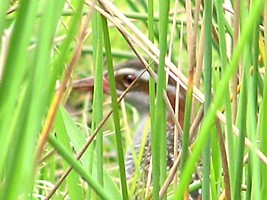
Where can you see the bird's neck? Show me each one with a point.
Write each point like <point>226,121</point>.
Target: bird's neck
<point>141,128</point>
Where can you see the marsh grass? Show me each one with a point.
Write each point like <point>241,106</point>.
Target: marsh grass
<point>217,51</point>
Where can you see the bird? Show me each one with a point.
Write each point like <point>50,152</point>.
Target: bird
<point>138,96</point>
<point>133,72</point>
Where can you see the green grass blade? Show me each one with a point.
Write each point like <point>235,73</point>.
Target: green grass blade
<point>209,118</point>
<point>14,71</point>
<point>263,117</point>
<point>98,91</point>
<point>241,118</point>
<point>78,140</point>
<point>79,168</point>
<point>159,141</point>
<point>227,104</point>
<point>207,92</point>
<point>254,177</point>
<point>3,10</point>
<point>73,187</point>
<point>115,108</point>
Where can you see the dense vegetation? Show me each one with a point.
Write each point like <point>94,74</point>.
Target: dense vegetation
<point>216,49</point>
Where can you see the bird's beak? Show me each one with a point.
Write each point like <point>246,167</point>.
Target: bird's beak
<point>87,84</point>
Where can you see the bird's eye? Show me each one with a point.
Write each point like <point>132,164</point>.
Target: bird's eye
<point>128,79</point>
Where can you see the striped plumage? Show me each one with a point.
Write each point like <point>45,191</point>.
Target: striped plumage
<point>146,157</point>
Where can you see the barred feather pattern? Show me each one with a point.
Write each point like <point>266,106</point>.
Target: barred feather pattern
<point>145,163</point>
<point>146,157</point>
